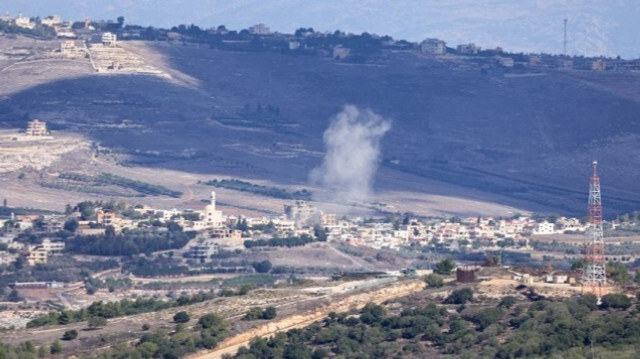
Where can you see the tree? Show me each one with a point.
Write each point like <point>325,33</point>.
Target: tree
<point>120,20</point>
<point>70,334</point>
<point>508,301</point>
<point>486,317</point>
<point>618,272</point>
<point>434,280</point>
<point>262,267</point>
<point>64,318</point>
<point>269,313</point>
<point>42,351</point>
<point>254,313</point>
<point>459,296</point>
<point>56,347</point>
<point>615,301</point>
<point>181,317</point>
<point>445,266</point>
<point>209,321</point>
<point>97,322</point>
<point>71,225</point>
<point>14,296</point>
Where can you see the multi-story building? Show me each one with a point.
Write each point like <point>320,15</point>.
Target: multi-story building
<point>24,22</point>
<point>433,47</point>
<point>303,214</point>
<point>51,20</point>
<point>203,250</point>
<point>37,255</point>
<point>544,227</point>
<point>36,128</point>
<point>109,39</point>
<point>468,49</point>
<point>259,29</point>
<point>52,247</point>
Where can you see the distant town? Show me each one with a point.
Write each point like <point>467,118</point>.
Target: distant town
<point>98,40</point>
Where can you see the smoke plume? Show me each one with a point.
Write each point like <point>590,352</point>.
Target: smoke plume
<point>352,144</point>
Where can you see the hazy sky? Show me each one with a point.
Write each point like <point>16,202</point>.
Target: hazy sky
<point>596,27</point>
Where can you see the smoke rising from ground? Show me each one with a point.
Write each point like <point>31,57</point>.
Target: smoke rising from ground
<point>352,144</point>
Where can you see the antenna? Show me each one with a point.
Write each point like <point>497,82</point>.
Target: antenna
<point>565,38</point>
<point>594,275</point>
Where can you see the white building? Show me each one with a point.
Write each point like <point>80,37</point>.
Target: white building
<point>544,228</point>
<point>24,22</point>
<point>52,247</point>
<point>109,39</point>
<point>213,217</point>
<point>433,47</point>
<point>51,20</point>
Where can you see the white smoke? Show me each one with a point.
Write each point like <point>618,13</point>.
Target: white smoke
<point>352,144</point>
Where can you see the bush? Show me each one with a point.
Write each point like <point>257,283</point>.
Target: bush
<point>97,322</point>
<point>56,347</point>
<point>508,301</point>
<point>256,313</point>
<point>262,267</point>
<point>181,317</point>
<point>460,296</point>
<point>615,301</point>
<point>70,334</point>
<point>434,281</point>
<point>445,267</point>
<point>145,327</point>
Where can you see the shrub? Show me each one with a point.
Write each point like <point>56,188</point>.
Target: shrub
<point>181,317</point>
<point>434,281</point>
<point>460,296</point>
<point>97,322</point>
<point>508,301</point>
<point>56,347</point>
<point>615,301</point>
<point>70,334</point>
<point>445,267</point>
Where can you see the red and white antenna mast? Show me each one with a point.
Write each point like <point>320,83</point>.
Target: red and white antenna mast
<point>594,277</point>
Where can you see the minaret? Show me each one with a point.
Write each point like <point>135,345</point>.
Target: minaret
<point>213,200</point>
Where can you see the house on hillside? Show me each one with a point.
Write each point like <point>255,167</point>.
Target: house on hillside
<point>433,47</point>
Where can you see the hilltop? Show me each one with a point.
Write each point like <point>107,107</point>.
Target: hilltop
<point>462,126</point>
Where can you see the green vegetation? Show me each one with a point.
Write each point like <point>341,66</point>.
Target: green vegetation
<point>130,242</point>
<point>543,329</point>
<point>262,267</point>
<point>445,266</point>
<point>434,280</point>
<point>116,309</point>
<point>282,242</point>
<point>256,313</point>
<point>70,334</point>
<point>111,179</point>
<point>615,301</point>
<point>206,334</point>
<point>459,296</point>
<point>97,322</point>
<point>251,279</point>
<point>258,189</point>
<point>181,317</point>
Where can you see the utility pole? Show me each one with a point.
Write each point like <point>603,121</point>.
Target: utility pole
<point>564,52</point>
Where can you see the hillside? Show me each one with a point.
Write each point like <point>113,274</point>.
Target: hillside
<point>522,140</point>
